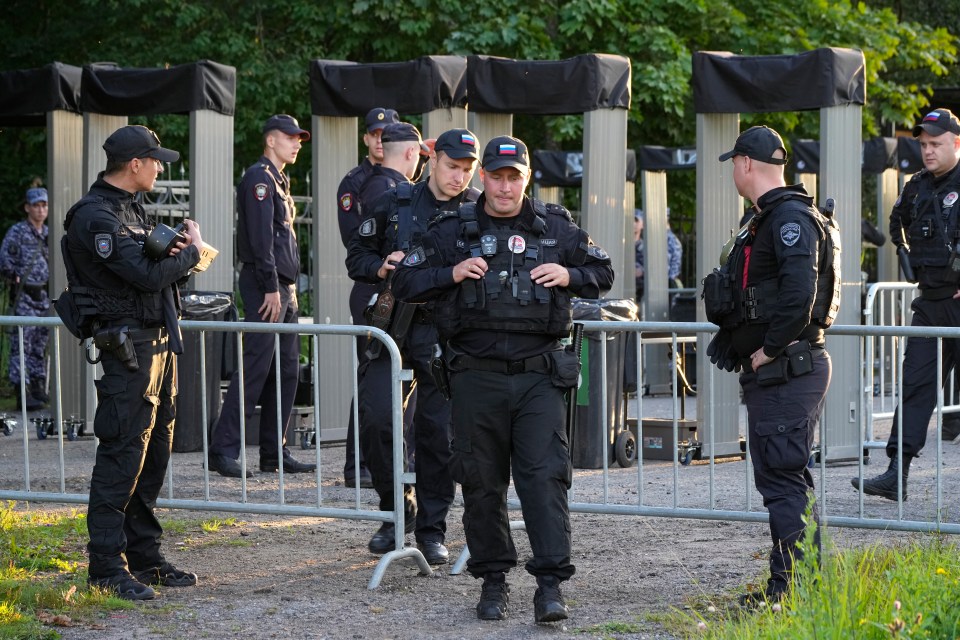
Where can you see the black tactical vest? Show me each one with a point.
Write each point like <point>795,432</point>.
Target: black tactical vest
<point>934,233</point>
<point>506,299</point>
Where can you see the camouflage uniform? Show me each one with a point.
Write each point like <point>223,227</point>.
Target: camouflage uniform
<point>25,254</point>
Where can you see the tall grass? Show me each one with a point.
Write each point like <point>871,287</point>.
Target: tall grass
<point>905,590</point>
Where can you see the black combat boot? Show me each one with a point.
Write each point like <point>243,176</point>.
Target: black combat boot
<point>494,597</point>
<point>885,484</point>
<point>33,404</point>
<point>548,602</point>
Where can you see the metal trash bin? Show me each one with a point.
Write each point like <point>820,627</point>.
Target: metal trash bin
<point>204,306</point>
<point>591,438</point>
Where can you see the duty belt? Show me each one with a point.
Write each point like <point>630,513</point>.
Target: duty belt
<point>746,364</point>
<point>938,293</point>
<point>509,367</point>
<point>148,335</point>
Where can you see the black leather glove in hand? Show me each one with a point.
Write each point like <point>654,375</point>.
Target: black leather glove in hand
<point>721,352</point>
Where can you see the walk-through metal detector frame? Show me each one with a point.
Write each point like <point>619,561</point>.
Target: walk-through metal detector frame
<point>726,85</point>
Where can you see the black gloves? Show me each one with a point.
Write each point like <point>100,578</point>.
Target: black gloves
<point>721,351</point>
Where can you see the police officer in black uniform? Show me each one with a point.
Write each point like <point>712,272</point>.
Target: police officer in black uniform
<point>926,220</point>
<point>502,271</point>
<point>348,219</point>
<point>783,269</point>
<point>131,302</point>
<point>395,222</point>
<point>267,248</point>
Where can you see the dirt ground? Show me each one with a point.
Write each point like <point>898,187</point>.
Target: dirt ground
<point>306,577</point>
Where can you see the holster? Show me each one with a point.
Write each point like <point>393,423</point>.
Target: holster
<point>564,368</point>
<point>439,372</point>
<point>117,341</point>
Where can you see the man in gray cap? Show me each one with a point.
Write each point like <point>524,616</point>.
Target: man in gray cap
<point>24,263</point>
<point>926,221</point>
<point>348,219</point>
<point>130,302</point>
<point>267,248</point>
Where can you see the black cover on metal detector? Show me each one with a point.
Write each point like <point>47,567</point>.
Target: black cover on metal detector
<point>26,95</point>
<point>565,168</point>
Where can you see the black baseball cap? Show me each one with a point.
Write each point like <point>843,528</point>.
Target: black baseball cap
<point>760,143</point>
<point>506,151</point>
<point>287,124</point>
<point>458,144</point>
<point>136,141</point>
<point>403,132</point>
<point>937,123</point>
<point>378,118</point>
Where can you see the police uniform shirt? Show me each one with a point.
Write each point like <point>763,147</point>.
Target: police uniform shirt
<point>418,280</point>
<point>920,200</point>
<point>349,206</point>
<point>378,232</point>
<point>105,241</point>
<point>785,247</point>
<point>265,235</point>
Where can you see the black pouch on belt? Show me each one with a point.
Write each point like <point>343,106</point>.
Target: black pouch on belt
<point>773,373</point>
<point>564,368</point>
<point>117,340</point>
<point>800,358</point>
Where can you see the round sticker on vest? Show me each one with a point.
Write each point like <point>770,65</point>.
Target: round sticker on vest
<point>517,244</point>
<point>790,233</point>
<point>949,199</point>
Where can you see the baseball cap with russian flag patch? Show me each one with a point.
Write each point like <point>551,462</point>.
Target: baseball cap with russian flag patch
<point>938,122</point>
<point>458,144</point>
<point>506,151</point>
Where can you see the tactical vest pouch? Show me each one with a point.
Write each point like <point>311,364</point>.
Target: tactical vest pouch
<point>718,296</point>
<point>73,320</point>
<point>799,358</point>
<point>564,368</point>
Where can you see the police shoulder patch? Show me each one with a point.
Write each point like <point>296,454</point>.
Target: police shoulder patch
<point>346,201</point>
<point>597,252</point>
<point>260,191</point>
<point>103,243</point>
<point>415,257</point>
<point>790,233</point>
<point>368,227</point>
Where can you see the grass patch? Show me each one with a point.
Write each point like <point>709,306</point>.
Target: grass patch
<point>904,590</point>
<point>43,571</point>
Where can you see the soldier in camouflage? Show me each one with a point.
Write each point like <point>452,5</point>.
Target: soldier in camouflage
<point>24,264</point>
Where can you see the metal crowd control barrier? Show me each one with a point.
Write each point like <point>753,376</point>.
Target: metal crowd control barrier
<point>888,304</point>
<point>282,505</point>
<point>709,489</point>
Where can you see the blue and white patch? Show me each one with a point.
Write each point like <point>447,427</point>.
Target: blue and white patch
<point>415,257</point>
<point>596,252</point>
<point>790,233</point>
<point>368,228</point>
<point>949,199</point>
<point>104,244</point>
<point>260,191</point>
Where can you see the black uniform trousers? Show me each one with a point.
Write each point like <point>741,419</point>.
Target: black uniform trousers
<point>259,376</point>
<point>134,423</point>
<point>783,420</point>
<point>920,373</point>
<point>431,435</point>
<point>514,422</point>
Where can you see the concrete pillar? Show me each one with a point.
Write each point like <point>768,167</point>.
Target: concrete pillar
<point>212,201</point>
<point>65,185</point>
<point>653,189</point>
<point>439,120</point>
<point>548,194</point>
<point>840,149</point>
<point>486,126</point>
<point>334,152</point>
<point>719,208</point>
<point>603,194</point>
<point>888,270</point>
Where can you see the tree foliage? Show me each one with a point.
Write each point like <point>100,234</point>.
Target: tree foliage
<point>271,43</point>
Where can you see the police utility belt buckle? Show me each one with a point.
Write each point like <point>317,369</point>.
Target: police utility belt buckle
<point>163,238</point>
<point>117,341</point>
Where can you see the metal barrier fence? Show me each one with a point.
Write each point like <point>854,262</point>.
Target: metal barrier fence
<point>710,488</point>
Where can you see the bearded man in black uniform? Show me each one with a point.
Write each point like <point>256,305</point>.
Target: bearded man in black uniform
<point>926,220</point>
<point>502,271</point>
<point>786,284</point>
<point>392,224</point>
<point>135,325</point>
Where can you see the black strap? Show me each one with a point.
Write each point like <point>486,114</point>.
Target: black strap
<point>509,367</point>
